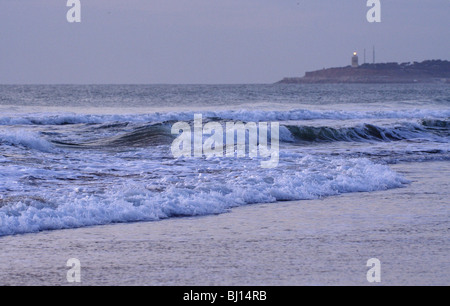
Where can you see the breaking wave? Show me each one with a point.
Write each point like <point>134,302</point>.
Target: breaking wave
<point>370,132</point>
<point>242,115</point>
<point>27,140</point>
<point>123,135</point>
<point>131,202</point>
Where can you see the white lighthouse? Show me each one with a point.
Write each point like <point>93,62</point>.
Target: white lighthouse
<point>355,63</point>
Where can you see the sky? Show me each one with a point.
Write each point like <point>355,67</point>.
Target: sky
<point>209,41</point>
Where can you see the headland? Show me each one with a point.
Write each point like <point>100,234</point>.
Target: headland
<point>429,71</point>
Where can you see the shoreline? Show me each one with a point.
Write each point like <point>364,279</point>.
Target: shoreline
<point>310,242</point>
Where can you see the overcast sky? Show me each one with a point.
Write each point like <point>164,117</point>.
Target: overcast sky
<point>209,41</point>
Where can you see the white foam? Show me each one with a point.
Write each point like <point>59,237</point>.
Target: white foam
<point>27,139</point>
<point>235,115</point>
<point>193,195</point>
<point>286,135</point>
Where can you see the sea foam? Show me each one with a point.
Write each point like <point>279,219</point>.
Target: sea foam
<point>311,178</point>
<point>26,139</point>
<point>234,115</point>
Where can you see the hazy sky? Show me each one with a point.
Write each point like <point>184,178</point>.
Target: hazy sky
<point>209,41</point>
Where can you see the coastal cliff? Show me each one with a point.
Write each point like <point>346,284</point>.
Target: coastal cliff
<point>430,71</point>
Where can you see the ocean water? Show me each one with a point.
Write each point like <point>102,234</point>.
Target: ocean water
<point>78,156</point>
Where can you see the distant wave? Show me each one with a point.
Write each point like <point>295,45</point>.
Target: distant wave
<point>241,115</point>
<point>436,123</point>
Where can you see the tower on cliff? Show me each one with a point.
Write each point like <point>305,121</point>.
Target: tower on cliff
<point>355,63</point>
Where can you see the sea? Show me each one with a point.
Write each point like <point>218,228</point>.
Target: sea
<point>75,156</point>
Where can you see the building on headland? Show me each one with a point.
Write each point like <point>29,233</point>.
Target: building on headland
<point>429,71</point>
<point>355,60</point>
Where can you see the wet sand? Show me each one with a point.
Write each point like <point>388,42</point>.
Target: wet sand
<point>316,242</point>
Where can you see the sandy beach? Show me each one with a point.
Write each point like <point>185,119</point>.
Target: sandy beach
<point>314,242</point>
